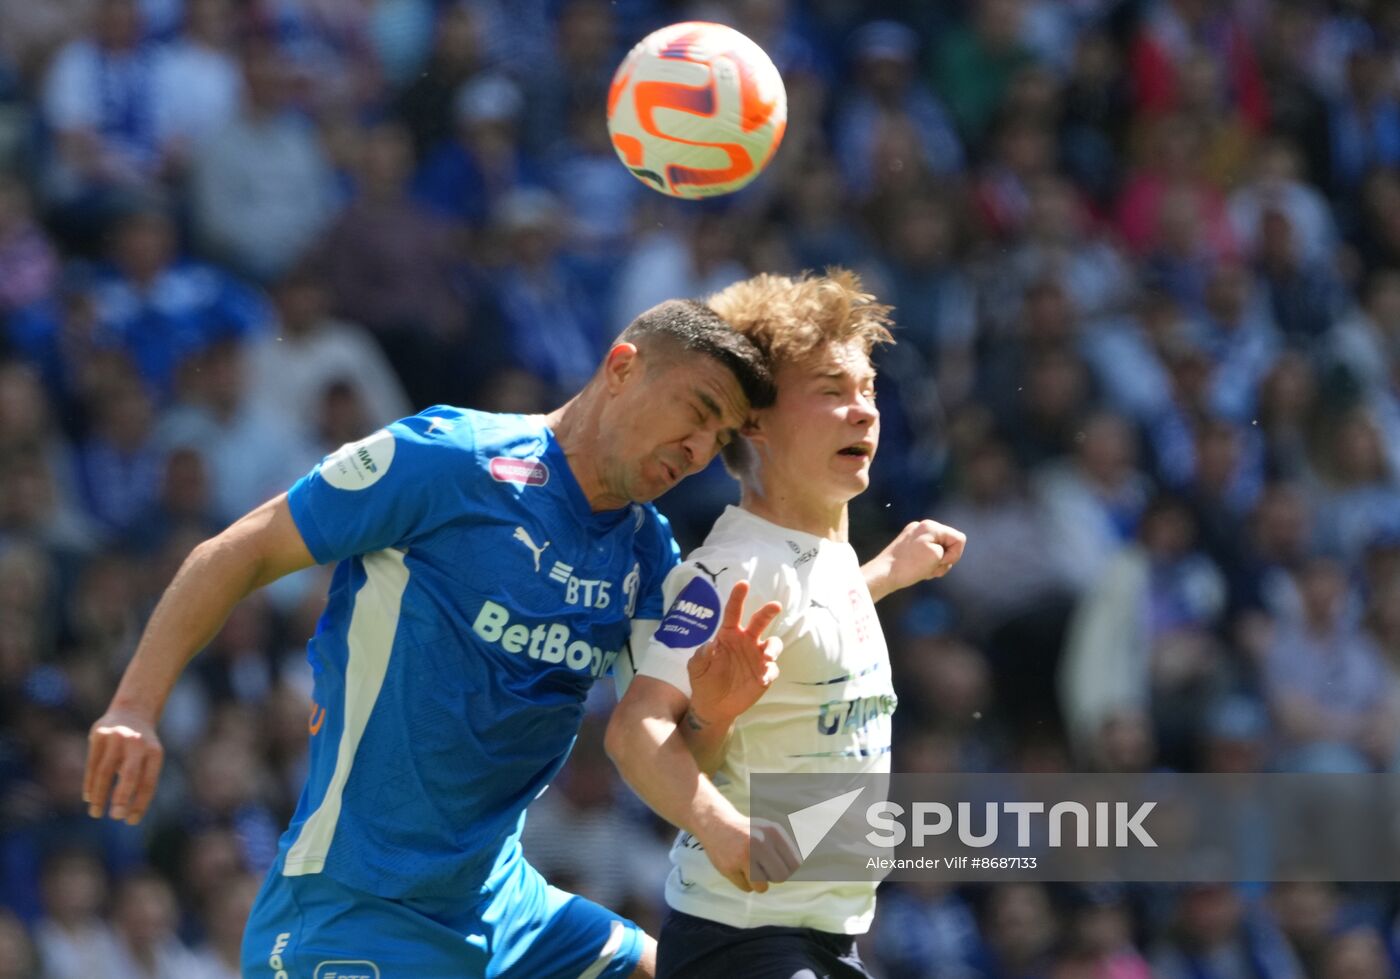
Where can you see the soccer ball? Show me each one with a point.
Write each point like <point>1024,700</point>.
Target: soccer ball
<point>696,110</point>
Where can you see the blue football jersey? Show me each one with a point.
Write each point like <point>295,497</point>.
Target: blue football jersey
<point>476,600</point>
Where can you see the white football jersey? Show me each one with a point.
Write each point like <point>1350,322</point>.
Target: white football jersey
<point>830,709</point>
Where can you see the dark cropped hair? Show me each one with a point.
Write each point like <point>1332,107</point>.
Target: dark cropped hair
<point>685,326</point>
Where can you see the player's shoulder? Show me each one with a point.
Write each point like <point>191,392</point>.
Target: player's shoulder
<point>651,528</point>
<point>761,547</point>
<point>741,548</point>
<point>506,445</point>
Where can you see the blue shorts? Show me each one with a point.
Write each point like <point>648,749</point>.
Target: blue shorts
<point>313,927</point>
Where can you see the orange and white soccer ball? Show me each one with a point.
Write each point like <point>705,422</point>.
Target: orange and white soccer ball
<point>696,110</point>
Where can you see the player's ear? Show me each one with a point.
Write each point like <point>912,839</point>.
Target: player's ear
<point>621,363</point>
<point>752,428</point>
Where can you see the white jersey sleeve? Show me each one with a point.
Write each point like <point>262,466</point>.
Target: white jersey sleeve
<point>695,594</point>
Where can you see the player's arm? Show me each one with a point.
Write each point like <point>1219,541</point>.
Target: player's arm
<point>924,549</point>
<point>727,676</point>
<point>258,549</point>
<point>646,741</point>
<point>706,736</point>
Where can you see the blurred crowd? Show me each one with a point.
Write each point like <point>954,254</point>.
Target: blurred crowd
<point>1145,260</point>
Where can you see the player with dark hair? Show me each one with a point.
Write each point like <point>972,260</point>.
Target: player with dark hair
<point>489,568</point>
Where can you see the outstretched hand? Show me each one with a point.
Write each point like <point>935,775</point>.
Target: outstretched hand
<point>731,672</point>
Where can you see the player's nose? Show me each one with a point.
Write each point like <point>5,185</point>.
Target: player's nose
<point>697,450</point>
<point>863,412</point>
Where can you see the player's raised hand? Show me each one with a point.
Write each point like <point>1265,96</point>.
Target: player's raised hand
<point>122,746</point>
<point>924,549</point>
<point>730,672</point>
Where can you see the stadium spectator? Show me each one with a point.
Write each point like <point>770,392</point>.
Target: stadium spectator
<point>159,308</point>
<point>17,957</point>
<point>1326,682</point>
<point>1096,496</point>
<point>976,61</point>
<point>289,366</point>
<point>72,938</point>
<point>1142,638</point>
<point>1019,931</point>
<point>886,99</point>
<point>1211,934</point>
<point>388,262</point>
<point>1365,120</point>
<point>553,332</point>
<point>225,915</point>
<point>120,463</point>
<point>99,103</point>
<point>1277,184</point>
<point>147,945</point>
<point>462,177</point>
<point>247,447</point>
<point>262,189</point>
<point>425,106</point>
<point>28,261</point>
<point>198,80</point>
<point>45,819</point>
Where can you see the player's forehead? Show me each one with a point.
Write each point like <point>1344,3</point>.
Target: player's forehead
<point>698,377</point>
<point>835,359</point>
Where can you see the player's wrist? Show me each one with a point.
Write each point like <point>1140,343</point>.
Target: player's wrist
<point>708,718</point>
<point>716,820</point>
<point>878,573</point>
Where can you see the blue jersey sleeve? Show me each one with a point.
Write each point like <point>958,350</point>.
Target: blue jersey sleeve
<point>387,490</point>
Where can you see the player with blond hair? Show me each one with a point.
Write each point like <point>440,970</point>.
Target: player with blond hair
<point>829,708</point>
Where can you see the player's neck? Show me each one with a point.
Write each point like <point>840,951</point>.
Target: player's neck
<point>576,429</point>
<point>798,511</point>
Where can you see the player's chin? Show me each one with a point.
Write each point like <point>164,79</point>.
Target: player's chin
<point>847,474</point>
<point>648,488</point>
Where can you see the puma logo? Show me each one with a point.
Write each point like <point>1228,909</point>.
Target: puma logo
<point>714,575</point>
<point>523,535</point>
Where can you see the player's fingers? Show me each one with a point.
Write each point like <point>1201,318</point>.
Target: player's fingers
<point>739,880</point>
<point>763,618</point>
<point>128,777</point>
<point>136,783</point>
<point>769,865</point>
<point>771,648</point>
<point>953,542</point>
<point>939,568</point>
<point>96,746</point>
<point>104,771</point>
<point>734,608</point>
<point>145,788</point>
<point>701,659</point>
<point>786,849</point>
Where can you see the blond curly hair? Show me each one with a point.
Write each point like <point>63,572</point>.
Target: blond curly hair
<point>789,319</point>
